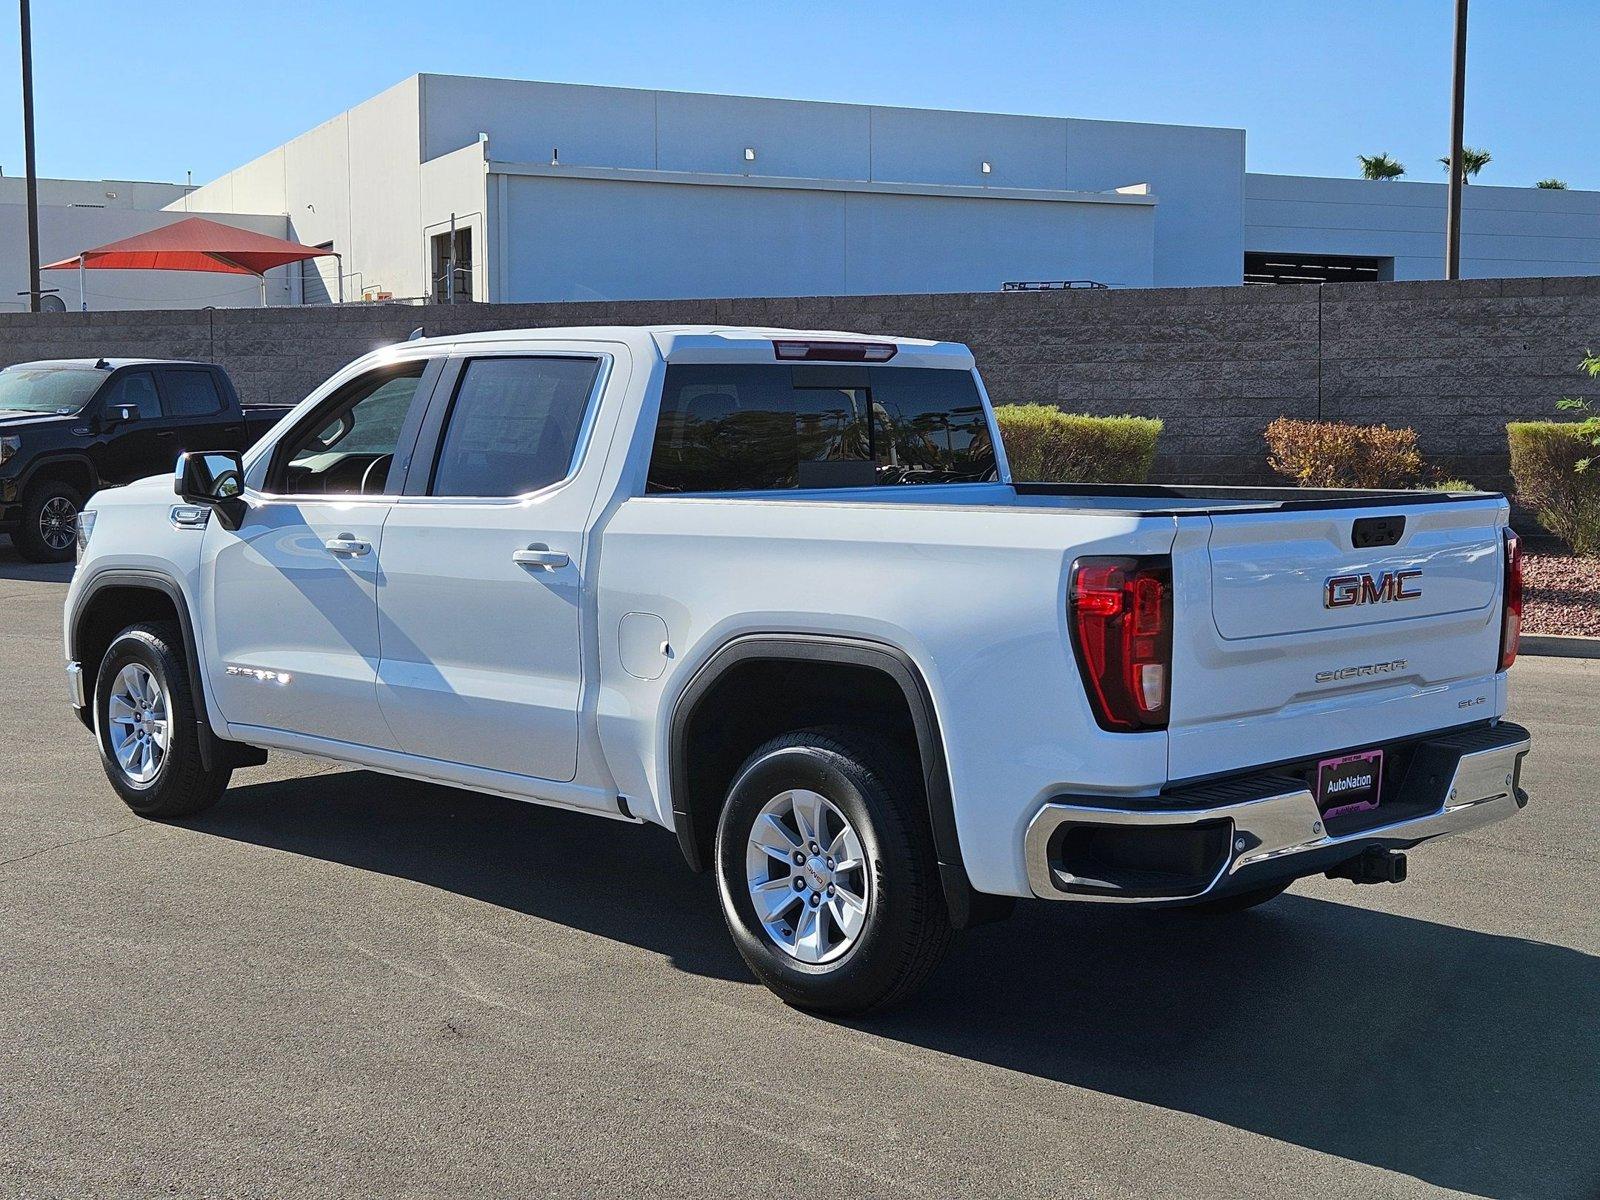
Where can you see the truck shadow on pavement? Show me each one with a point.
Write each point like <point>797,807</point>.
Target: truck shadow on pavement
<point>14,566</point>
<point>1467,1060</point>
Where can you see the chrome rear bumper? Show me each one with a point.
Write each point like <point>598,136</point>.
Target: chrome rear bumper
<point>1244,832</point>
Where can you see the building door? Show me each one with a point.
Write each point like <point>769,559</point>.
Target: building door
<point>452,266</point>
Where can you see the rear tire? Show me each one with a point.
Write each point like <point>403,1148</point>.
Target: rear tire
<point>49,524</point>
<point>1238,901</point>
<point>145,722</point>
<point>860,922</point>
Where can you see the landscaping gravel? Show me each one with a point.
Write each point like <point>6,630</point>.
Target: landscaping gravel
<point>1561,594</point>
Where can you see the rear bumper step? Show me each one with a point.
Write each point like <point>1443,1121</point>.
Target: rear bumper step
<point>1235,834</point>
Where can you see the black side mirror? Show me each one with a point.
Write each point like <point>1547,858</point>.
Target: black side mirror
<point>121,414</point>
<point>214,478</point>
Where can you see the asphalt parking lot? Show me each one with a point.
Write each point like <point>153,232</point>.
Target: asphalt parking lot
<point>336,983</point>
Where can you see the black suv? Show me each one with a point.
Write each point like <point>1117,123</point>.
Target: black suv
<point>73,426</point>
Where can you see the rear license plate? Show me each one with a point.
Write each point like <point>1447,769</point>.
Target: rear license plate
<point>1349,784</point>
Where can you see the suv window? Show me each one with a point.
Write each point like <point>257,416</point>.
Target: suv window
<point>513,425</point>
<point>190,393</point>
<point>350,447</point>
<point>137,388</point>
<point>755,427</point>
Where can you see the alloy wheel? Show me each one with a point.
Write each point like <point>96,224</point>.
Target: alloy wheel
<point>58,522</point>
<point>807,875</point>
<point>140,724</point>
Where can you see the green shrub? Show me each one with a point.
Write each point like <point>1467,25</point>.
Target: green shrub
<point>1545,458</point>
<point>1332,454</point>
<point>1588,425</point>
<point>1045,445</point>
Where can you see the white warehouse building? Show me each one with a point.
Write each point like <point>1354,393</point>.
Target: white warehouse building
<point>570,192</point>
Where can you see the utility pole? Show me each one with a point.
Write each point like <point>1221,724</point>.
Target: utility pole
<point>1458,98</point>
<point>27,152</point>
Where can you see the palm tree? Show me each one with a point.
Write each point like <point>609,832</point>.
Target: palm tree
<point>1552,185</point>
<point>1380,166</point>
<point>1472,161</point>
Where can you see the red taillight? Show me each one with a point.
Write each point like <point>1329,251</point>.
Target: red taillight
<point>1121,618</point>
<point>795,351</point>
<point>1511,618</point>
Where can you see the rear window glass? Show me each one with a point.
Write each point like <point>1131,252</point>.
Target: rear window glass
<point>738,427</point>
<point>191,394</point>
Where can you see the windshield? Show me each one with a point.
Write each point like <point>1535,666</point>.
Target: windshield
<point>59,390</point>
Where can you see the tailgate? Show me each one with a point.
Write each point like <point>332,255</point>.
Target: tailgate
<point>1299,633</point>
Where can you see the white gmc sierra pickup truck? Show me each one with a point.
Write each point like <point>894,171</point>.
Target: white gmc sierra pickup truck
<point>776,591</point>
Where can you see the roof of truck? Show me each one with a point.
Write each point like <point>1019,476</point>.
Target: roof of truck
<point>712,343</point>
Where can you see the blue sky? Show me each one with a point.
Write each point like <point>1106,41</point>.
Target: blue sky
<point>122,94</point>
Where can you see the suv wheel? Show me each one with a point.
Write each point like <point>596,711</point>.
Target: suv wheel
<point>49,523</point>
<point>827,873</point>
<point>144,720</point>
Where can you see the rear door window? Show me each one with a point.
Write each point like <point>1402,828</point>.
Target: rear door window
<point>739,427</point>
<point>513,425</point>
<point>190,393</point>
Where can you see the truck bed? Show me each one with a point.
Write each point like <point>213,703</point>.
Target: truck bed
<point>1155,499</point>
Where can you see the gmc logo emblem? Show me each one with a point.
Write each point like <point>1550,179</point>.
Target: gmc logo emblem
<point>1344,591</point>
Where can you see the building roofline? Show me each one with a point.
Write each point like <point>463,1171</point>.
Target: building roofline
<point>1128,196</point>
<point>962,112</point>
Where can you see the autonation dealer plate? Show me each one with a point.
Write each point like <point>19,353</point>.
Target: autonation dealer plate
<point>1350,784</point>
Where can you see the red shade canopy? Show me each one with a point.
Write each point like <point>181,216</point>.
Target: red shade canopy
<point>194,244</point>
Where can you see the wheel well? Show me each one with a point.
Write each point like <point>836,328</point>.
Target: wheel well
<point>75,473</point>
<point>757,700</point>
<point>111,610</point>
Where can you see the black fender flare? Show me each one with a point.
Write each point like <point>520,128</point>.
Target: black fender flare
<point>967,906</point>
<point>214,750</point>
<point>75,458</point>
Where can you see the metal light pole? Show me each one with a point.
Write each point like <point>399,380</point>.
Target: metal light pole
<point>1458,96</point>
<point>27,153</point>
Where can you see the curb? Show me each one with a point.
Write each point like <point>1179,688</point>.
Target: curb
<point>1553,646</point>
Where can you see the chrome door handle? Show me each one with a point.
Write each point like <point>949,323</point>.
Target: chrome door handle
<point>347,545</point>
<point>540,558</point>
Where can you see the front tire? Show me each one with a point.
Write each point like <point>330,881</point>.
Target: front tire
<point>859,921</point>
<point>49,523</point>
<point>145,721</point>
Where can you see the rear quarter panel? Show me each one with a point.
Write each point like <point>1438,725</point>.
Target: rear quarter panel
<point>975,596</point>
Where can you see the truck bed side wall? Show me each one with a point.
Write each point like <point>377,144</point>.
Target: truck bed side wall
<point>977,604</point>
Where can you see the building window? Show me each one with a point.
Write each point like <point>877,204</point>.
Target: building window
<point>452,267</point>
<point>1266,267</point>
